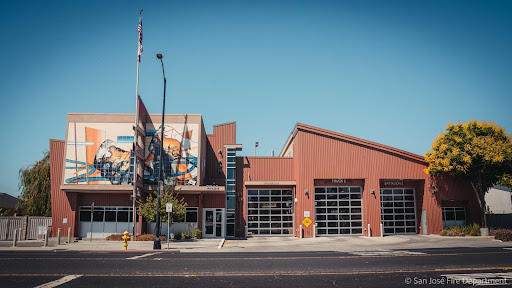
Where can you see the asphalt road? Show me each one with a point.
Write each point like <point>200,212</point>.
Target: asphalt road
<point>406,268</point>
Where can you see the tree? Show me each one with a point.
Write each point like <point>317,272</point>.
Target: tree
<point>148,207</point>
<point>34,183</point>
<point>479,152</point>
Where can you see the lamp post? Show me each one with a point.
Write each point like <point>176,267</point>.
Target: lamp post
<point>156,243</point>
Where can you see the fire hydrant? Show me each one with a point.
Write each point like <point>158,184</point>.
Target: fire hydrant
<point>125,239</point>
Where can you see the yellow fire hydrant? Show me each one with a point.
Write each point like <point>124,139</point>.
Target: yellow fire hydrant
<point>125,239</point>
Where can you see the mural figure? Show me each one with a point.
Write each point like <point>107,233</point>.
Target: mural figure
<point>179,157</point>
<point>113,163</point>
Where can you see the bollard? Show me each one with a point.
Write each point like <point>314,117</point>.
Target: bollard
<point>246,231</point>
<point>381,230</point>
<point>46,238</point>
<point>15,238</point>
<point>369,231</point>
<point>314,230</point>
<point>69,235</point>
<point>300,231</point>
<point>125,238</point>
<point>58,236</point>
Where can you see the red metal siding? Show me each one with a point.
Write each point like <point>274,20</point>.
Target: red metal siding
<point>214,201</point>
<point>105,199</point>
<point>320,157</point>
<point>192,200</point>
<point>222,134</point>
<point>62,207</point>
<point>260,169</point>
<point>268,169</point>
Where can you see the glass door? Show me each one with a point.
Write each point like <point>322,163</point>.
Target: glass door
<point>213,222</point>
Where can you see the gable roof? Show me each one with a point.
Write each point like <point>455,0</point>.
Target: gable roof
<point>351,139</point>
<point>7,201</point>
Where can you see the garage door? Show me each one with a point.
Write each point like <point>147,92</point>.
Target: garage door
<point>270,212</point>
<point>398,211</point>
<point>338,211</point>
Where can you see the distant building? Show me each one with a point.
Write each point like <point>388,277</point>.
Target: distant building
<point>7,203</point>
<point>499,200</point>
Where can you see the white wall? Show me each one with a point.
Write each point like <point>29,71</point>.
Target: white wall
<point>499,200</point>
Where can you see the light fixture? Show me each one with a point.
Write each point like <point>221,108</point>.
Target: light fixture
<point>306,192</point>
<point>433,191</point>
<point>372,191</point>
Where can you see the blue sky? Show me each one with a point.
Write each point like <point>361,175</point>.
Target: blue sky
<point>394,72</point>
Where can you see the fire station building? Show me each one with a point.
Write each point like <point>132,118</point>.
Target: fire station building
<point>323,183</point>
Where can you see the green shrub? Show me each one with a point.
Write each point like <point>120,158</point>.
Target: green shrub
<point>186,235</point>
<point>502,234</point>
<point>115,237</point>
<point>196,234</point>
<point>149,237</point>
<point>468,230</point>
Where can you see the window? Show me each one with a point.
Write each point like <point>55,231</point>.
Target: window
<point>454,216</point>
<point>191,214</point>
<point>106,214</point>
<point>230,190</point>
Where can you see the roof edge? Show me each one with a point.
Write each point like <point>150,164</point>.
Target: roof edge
<point>227,123</point>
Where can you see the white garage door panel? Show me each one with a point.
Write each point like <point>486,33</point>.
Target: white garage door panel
<point>338,211</point>
<point>270,212</point>
<point>398,211</point>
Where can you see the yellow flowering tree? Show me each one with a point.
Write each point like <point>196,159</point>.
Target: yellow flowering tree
<point>480,152</point>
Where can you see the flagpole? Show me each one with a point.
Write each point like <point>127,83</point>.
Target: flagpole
<point>135,166</point>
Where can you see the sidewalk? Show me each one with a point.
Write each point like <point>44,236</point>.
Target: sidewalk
<point>357,243</point>
<point>270,244</point>
<point>200,245</point>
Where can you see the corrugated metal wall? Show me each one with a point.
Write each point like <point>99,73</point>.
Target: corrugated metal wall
<point>320,157</point>
<point>222,134</point>
<point>268,169</point>
<point>214,201</point>
<point>191,199</point>
<point>61,205</point>
<point>106,199</point>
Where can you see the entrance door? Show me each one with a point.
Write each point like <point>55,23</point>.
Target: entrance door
<point>213,222</point>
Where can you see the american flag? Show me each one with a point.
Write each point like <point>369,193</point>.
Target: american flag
<point>140,36</point>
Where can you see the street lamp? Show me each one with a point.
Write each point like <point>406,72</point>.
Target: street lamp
<point>156,243</point>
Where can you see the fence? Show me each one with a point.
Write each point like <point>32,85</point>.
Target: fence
<point>28,225</point>
<point>499,220</point>
<point>33,224</point>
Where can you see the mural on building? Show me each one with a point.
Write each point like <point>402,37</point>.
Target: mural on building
<point>180,152</point>
<point>92,157</point>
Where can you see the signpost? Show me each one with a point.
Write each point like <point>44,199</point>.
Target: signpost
<point>168,209</point>
<point>307,222</point>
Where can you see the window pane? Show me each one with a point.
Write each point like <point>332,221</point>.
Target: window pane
<point>122,216</point>
<point>85,216</point>
<point>110,216</point>
<point>97,216</point>
<point>191,216</point>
